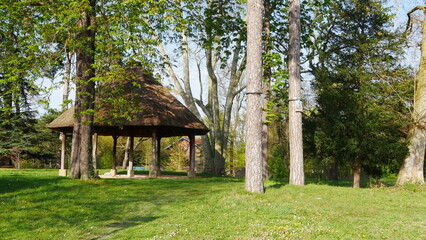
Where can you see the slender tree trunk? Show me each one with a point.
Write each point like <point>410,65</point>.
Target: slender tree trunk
<point>254,181</point>
<point>412,170</point>
<point>295,97</point>
<point>67,81</point>
<point>126,154</point>
<point>85,90</point>
<point>232,91</point>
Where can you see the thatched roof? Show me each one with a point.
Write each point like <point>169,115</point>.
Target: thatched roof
<point>153,108</point>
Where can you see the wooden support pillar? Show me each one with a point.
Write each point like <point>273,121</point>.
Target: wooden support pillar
<point>95,153</point>
<point>153,170</point>
<point>191,172</point>
<point>158,156</point>
<point>130,171</point>
<point>114,156</point>
<point>63,171</point>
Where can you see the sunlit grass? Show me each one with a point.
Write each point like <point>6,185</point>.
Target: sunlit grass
<point>36,204</point>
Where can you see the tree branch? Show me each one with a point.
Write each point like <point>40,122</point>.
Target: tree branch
<point>409,23</point>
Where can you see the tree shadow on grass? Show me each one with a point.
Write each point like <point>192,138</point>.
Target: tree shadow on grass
<point>15,183</point>
<point>111,205</point>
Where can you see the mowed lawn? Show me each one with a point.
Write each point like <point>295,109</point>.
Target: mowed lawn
<point>37,204</point>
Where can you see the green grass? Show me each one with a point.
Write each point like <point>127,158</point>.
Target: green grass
<point>36,204</point>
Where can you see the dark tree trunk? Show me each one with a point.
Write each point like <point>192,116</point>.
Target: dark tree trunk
<point>85,90</point>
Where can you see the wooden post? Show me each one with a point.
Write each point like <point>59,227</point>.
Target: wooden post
<point>114,156</point>
<point>191,172</point>
<point>153,171</point>
<point>130,171</point>
<point>63,171</point>
<point>158,156</point>
<point>94,153</point>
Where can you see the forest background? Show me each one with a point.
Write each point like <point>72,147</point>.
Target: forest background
<point>358,76</point>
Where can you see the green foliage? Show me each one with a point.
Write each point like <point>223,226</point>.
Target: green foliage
<point>105,147</point>
<point>40,205</point>
<point>362,91</point>
<point>26,142</point>
<point>277,164</point>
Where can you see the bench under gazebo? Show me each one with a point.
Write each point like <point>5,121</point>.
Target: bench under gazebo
<point>160,115</point>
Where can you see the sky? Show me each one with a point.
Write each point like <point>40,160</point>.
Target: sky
<point>400,7</point>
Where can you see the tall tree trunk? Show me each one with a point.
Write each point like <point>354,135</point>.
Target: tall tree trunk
<point>413,167</point>
<point>295,97</point>
<point>85,90</point>
<point>215,136</point>
<point>254,181</point>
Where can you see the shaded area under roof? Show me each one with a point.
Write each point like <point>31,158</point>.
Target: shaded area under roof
<point>160,111</point>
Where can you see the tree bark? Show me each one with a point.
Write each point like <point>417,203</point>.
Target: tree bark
<point>357,176</point>
<point>295,97</point>
<point>412,170</point>
<point>126,154</point>
<point>85,90</point>
<point>254,181</point>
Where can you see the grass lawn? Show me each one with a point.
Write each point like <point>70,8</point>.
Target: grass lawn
<point>37,204</point>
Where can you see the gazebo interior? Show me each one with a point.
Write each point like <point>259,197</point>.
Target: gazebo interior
<point>160,115</point>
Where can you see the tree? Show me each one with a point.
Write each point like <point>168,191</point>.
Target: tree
<point>254,180</point>
<point>85,88</point>
<point>22,63</point>
<point>295,97</point>
<point>213,32</point>
<point>359,114</point>
<point>412,169</point>
<point>104,35</point>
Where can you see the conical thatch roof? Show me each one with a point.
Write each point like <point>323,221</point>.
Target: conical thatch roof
<point>154,109</point>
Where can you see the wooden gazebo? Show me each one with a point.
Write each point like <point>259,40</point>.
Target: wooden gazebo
<point>160,115</point>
